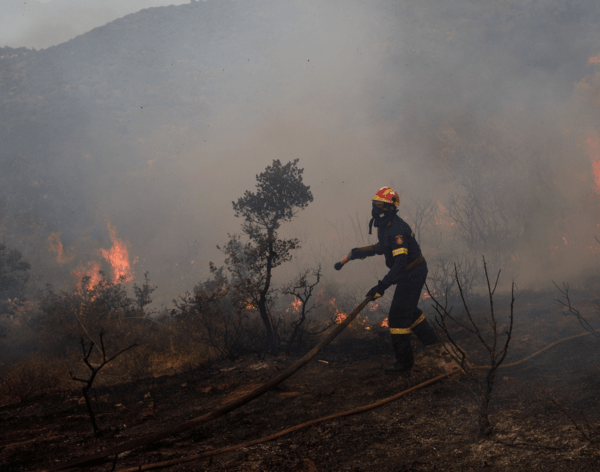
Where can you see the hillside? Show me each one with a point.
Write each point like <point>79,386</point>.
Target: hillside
<point>142,123</point>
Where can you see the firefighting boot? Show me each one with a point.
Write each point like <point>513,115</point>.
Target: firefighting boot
<point>404,355</point>
<point>424,332</point>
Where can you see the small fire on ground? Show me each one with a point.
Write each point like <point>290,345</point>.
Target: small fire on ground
<point>340,315</point>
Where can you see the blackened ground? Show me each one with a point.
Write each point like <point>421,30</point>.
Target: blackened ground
<point>431,429</point>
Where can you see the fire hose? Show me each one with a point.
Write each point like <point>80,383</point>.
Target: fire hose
<point>339,265</point>
<point>234,404</point>
<point>215,452</point>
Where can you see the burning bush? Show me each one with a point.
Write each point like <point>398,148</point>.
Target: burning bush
<point>66,317</point>
<point>297,328</point>
<point>218,318</point>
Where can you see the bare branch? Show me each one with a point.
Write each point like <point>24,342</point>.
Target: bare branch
<point>485,383</point>
<point>93,372</point>
<point>585,435</point>
<point>571,310</point>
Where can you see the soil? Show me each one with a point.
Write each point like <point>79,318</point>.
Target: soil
<point>433,428</point>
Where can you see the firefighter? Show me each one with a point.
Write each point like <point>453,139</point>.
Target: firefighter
<point>407,271</point>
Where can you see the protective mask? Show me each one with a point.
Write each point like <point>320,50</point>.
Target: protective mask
<point>381,216</point>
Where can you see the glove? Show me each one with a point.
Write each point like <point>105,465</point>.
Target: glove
<point>377,291</point>
<point>355,253</point>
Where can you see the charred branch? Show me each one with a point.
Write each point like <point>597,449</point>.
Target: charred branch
<point>495,348</point>
<point>566,302</point>
<point>302,289</point>
<point>588,432</point>
<point>94,369</point>
<point>443,277</point>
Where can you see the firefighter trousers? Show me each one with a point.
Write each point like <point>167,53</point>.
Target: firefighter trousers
<point>406,317</point>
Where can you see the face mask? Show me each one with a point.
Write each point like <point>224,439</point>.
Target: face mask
<point>380,214</point>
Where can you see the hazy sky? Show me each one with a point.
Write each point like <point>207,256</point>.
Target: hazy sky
<point>40,24</point>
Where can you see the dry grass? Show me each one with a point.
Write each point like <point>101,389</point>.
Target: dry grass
<point>30,378</point>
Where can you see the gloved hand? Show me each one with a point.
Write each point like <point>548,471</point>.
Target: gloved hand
<point>355,253</point>
<point>377,291</point>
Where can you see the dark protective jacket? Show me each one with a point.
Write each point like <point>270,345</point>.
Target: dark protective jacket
<point>398,244</point>
<point>400,248</point>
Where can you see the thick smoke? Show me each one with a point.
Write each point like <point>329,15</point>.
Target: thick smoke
<point>155,123</point>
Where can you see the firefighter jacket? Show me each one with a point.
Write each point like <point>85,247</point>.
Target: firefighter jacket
<point>401,250</point>
<point>398,244</point>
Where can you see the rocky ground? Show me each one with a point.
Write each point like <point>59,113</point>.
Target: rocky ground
<point>433,428</point>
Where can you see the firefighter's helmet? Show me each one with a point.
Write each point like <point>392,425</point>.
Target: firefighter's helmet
<point>387,195</point>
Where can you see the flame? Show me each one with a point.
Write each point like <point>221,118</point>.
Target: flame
<point>296,305</point>
<point>93,273</point>
<point>434,292</point>
<point>56,246</point>
<point>595,59</point>
<point>118,257</point>
<point>340,316</point>
<point>442,212</point>
<point>385,324</point>
<point>440,222</point>
<point>556,247</point>
<point>374,306</point>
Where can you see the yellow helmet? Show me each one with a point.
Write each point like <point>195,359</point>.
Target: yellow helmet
<point>387,195</point>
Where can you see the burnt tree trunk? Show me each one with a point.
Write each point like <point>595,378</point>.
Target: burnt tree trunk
<point>262,300</point>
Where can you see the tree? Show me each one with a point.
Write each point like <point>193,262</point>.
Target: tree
<point>14,273</point>
<point>280,193</point>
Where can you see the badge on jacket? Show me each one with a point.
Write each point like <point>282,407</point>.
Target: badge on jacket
<point>399,240</point>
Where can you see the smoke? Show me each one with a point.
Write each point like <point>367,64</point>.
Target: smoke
<point>170,113</point>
